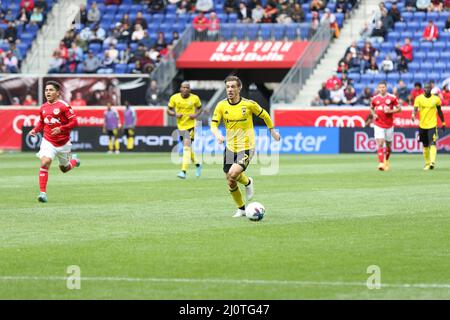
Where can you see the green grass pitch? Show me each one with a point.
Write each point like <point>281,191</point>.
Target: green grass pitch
<point>138,232</point>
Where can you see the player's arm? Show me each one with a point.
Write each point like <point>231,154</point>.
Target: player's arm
<point>415,109</point>
<point>104,123</point>
<point>263,114</point>
<point>441,116</point>
<point>73,122</point>
<point>134,117</point>
<point>397,108</point>
<point>38,128</point>
<point>198,110</point>
<point>171,109</point>
<point>215,121</point>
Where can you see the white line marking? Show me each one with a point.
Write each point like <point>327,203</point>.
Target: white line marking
<point>230,281</point>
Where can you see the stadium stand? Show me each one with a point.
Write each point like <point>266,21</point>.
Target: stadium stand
<point>417,43</point>
<point>20,20</point>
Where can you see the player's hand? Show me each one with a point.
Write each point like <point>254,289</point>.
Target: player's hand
<point>32,133</point>
<point>220,139</point>
<point>192,116</point>
<point>178,115</point>
<point>275,135</point>
<point>56,131</point>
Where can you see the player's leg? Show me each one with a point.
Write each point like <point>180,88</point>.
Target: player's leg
<point>432,137</point>
<point>244,159</point>
<point>66,163</point>
<point>198,166</point>
<point>46,154</point>
<point>185,139</point>
<point>130,138</point>
<point>379,134</point>
<point>389,137</point>
<point>232,172</point>
<point>116,140</point>
<point>111,141</point>
<point>423,135</point>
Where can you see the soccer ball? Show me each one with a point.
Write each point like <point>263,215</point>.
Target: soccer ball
<point>255,211</point>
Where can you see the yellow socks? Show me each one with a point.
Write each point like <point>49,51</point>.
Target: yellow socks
<point>426,155</point>
<point>116,144</point>
<point>243,179</point>
<point>237,196</point>
<point>130,143</point>
<point>193,156</point>
<point>111,144</point>
<point>186,158</point>
<point>433,153</point>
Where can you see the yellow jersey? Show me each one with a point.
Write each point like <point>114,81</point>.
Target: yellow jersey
<point>238,121</point>
<point>185,106</point>
<point>427,109</point>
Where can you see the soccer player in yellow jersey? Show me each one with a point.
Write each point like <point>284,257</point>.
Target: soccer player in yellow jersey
<point>186,107</point>
<point>428,104</point>
<point>236,113</point>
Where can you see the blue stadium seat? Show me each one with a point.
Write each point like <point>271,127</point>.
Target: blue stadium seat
<point>95,47</point>
<point>417,35</point>
<point>407,77</point>
<point>393,77</point>
<point>444,37</point>
<point>440,66</point>
<point>400,26</point>
<point>433,16</point>
<point>419,15</point>
<point>123,8</point>
<point>407,16</point>
<point>419,55</point>
<point>232,17</point>
<point>157,18</point>
<point>406,34</point>
<point>252,31</point>
<point>293,31</point>
<point>137,7</point>
<point>419,77</point>
<point>111,9</point>
<point>266,31</point>
<point>354,76</point>
<point>413,26</point>
<point>433,55</point>
<point>426,67</point>
<point>226,31</point>
<point>166,28</point>
<point>120,68</point>
<point>170,18</point>
<point>222,17</point>
<point>279,31</point>
<point>339,19</point>
<point>130,67</point>
<point>171,8</point>
<point>426,45</point>
<point>439,46</point>
<point>178,27</point>
<point>121,46</point>
<point>445,55</point>
<point>240,30</point>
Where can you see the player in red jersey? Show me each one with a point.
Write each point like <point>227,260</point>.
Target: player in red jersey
<point>382,108</point>
<point>57,119</point>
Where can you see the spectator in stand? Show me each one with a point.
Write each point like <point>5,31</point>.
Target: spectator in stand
<point>2,100</point>
<point>314,26</point>
<point>16,52</point>
<point>244,13</point>
<point>56,63</point>
<point>337,95</point>
<point>94,14</point>
<point>331,19</point>
<point>154,55</point>
<point>387,20</point>
<point>345,81</point>
<point>430,33</point>
<point>113,53</point>
<point>350,95</point>
<point>11,33</point>
<point>83,44</point>
<point>353,50</point>
<point>270,12</point>
<point>343,6</point>
<point>366,31</point>
<point>125,33</point>
<point>298,15</point>
<point>137,69</point>
<point>394,13</point>
<point>402,65</point>
<point>63,51</point>
<point>406,50</point>
<point>333,81</point>
<point>387,65</point>
<point>447,25</point>
<point>402,93</point>
<point>146,40</point>
<point>156,6</point>
<point>29,101</point>
<point>284,13</point>
<point>23,18</point>
<point>200,24</point>
<point>410,5</point>
<point>184,6</point>
<point>110,40</point>
<point>175,37</point>
<point>28,5</point>
<point>160,41</point>
<point>373,67</point>
<point>37,17</point>
<point>445,96</point>
<point>11,62</point>
<point>108,64</point>
<point>324,95</point>
<point>126,19</point>
<point>365,97</point>
<point>116,2</point>
<point>125,55</point>
<point>41,4</point>
<point>78,101</point>
<point>68,38</point>
<point>368,52</point>
<point>213,27</point>
<point>15,101</point>
<point>355,64</point>
<point>344,63</point>
<point>435,6</point>
<point>152,96</point>
<point>82,15</point>
<point>422,5</point>
<point>316,5</point>
<point>378,33</point>
<point>415,92</point>
<point>204,5</point>
<point>139,53</point>
<point>91,63</point>
<point>230,6</point>
<point>140,20</point>
<point>138,33</point>
<point>98,35</point>
<point>75,57</point>
<point>258,13</point>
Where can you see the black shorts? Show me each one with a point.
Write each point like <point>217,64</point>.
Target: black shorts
<point>428,136</point>
<point>113,133</point>
<point>129,132</point>
<point>242,158</point>
<point>187,134</point>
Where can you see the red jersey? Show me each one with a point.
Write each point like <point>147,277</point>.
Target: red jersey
<point>57,114</point>
<point>381,104</point>
<point>415,93</point>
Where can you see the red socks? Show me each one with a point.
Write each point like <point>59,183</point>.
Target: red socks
<point>72,164</point>
<point>381,152</point>
<point>43,178</point>
<point>388,152</point>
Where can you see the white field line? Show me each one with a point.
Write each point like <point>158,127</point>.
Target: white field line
<point>231,281</point>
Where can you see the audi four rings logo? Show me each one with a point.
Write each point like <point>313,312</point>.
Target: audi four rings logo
<point>24,121</point>
<point>33,142</point>
<point>339,121</point>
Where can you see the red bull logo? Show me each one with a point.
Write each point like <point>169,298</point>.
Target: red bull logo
<point>443,143</point>
<point>400,143</point>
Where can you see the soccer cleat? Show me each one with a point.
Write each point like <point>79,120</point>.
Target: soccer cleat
<point>239,213</point>
<point>117,151</point>
<point>249,191</point>
<point>381,166</point>
<point>198,171</point>
<point>109,152</point>
<point>42,197</point>
<point>427,167</point>
<point>386,165</point>
<point>181,175</point>
<point>432,165</point>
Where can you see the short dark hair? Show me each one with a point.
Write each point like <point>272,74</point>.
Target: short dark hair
<point>233,78</point>
<point>55,84</point>
<point>382,82</point>
<point>418,84</point>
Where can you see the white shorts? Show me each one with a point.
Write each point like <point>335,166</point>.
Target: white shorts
<point>382,133</point>
<point>63,153</point>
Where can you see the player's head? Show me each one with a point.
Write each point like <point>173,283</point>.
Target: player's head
<point>382,87</point>
<point>233,86</point>
<point>52,90</point>
<point>418,85</point>
<point>427,89</point>
<point>108,106</point>
<point>127,104</point>
<point>185,89</point>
